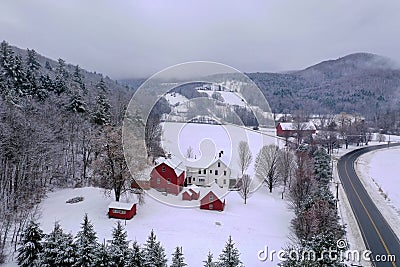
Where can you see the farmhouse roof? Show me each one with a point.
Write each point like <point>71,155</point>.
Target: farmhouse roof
<point>174,162</point>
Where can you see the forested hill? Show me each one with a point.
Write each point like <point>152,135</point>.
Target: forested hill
<point>56,120</point>
<point>364,83</point>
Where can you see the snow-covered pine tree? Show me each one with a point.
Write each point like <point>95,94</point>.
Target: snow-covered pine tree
<point>209,262</point>
<point>136,259</point>
<point>177,258</point>
<point>230,255</point>
<point>77,103</point>
<point>31,61</point>
<point>31,247</point>
<point>119,250</point>
<point>322,168</point>
<point>154,254</point>
<point>101,115</point>
<point>86,244</point>
<point>58,249</point>
<point>78,78</point>
<point>102,257</point>
<point>102,86</point>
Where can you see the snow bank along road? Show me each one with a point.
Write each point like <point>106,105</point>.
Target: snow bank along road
<point>379,238</point>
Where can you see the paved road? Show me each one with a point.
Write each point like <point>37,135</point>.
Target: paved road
<point>376,232</point>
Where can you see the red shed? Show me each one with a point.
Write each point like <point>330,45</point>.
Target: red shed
<point>168,176</point>
<point>190,195</point>
<point>212,202</point>
<point>121,210</point>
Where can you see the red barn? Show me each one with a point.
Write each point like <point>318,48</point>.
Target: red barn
<point>120,210</point>
<point>212,202</point>
<point>291,129</point>
<point>168,176</point>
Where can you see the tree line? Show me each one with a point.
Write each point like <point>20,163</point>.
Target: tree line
<point>59,248</point>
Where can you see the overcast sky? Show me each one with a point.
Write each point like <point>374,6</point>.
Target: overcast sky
<point>128,38</point>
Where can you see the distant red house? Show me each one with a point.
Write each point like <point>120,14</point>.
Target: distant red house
<point>291,129</point>
<point>212,202</point>
<point>168,176</point>
<point>190,195</point>
<point>120,210</point>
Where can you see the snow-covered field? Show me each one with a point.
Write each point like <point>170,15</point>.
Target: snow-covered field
<point>208,140</point>
<point>230,98</point>
<point>263,221</point>
<point>380,173</point>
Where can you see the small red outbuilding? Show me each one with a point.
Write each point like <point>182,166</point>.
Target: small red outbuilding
<point>168,176</point>
<point>190,195</point>
<point>212,202</point>
<point>120,210</point>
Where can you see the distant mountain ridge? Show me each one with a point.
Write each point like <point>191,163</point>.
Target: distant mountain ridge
<point>357,83</point>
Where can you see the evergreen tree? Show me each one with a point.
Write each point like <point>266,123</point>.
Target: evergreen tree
<point>102,257</point>
<point>48,66</point>
<point>31,61</point>
<point>209,262</point>
<point>230,255</point>
<point>102,86</point>
<point>154,253</point>
<point>77,103</point>
<point>58,249</point>
<point>60,85</point>
<point>322,168</point>
<point>61,69</point>
<point>177,258</point>
<point>102,114</point>
<point>31,247</point>
<point>119,249</point>
<point>137,258</point>
<point>86,244</point>
<point>21,83</point>
<point>78,78</point>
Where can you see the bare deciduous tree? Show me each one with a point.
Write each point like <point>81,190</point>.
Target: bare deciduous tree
<point>244,185</point>
<point>266,165</point>
<point>189,153</point>
<point>245,156</point>
<point>286,165</point>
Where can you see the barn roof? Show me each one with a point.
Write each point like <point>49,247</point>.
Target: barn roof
<point>120,205</point>
<point>292,126</point>
<point>174,162</point>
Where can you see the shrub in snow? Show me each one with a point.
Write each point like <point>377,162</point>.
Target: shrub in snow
<point>74,200</point>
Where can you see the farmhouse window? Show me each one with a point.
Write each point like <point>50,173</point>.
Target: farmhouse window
<point>225,173</point>
<point>168,181</point>
<point>219,164</point>
<point>204,171</point>
<point>216,172</point>
<point>224,181</point>
<point>210,171</point>
<point>211,197</point>
<point>199,171</point>
<point>194,179</point>
<point>158,180</point>
<point>163,169</point>
<point>211,207</point>
<point>201,180</point>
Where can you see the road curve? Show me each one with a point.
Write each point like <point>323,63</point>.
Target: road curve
<point>378,236</point>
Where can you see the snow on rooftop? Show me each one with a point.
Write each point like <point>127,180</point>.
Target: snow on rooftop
<point>120,205</point>
<point>174,162</point>
<point>291,126</point>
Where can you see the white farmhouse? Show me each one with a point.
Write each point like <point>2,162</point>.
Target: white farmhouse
<point>217,172</point>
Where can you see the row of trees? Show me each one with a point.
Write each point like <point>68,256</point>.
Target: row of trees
<point>316,222</point>
<point>272,166</point>
<point>62,249</point>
